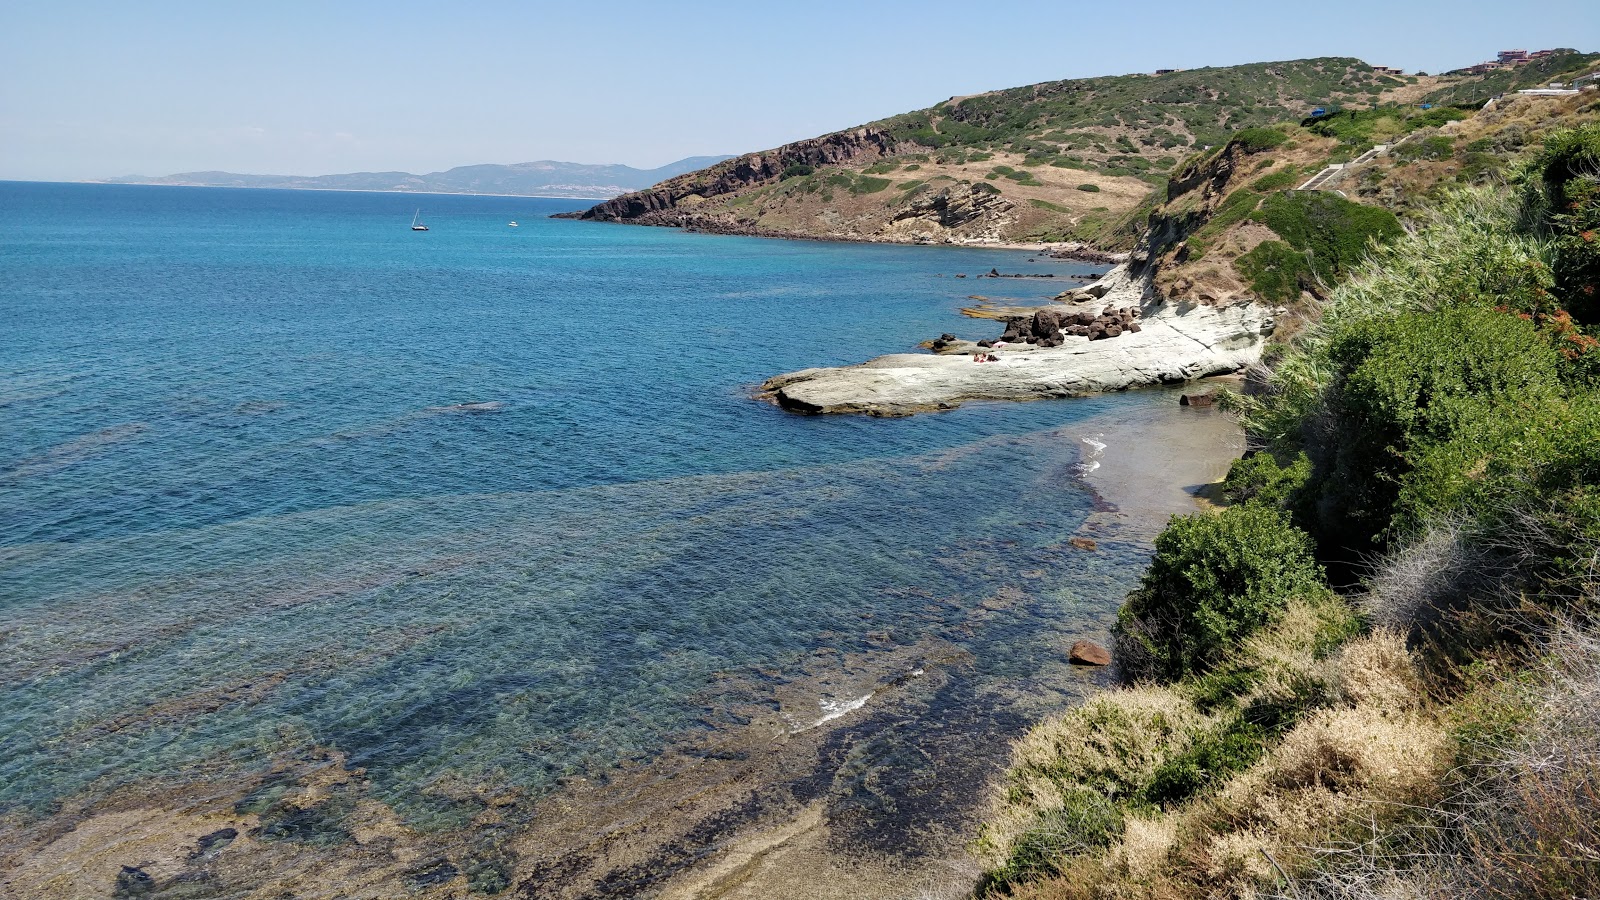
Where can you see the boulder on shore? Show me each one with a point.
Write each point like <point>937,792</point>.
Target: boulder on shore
<point>1088,653</point>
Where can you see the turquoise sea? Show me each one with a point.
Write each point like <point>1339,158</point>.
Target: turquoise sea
<point>488,505</point>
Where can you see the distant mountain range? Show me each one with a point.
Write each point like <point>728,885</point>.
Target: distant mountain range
<point>545,178</point>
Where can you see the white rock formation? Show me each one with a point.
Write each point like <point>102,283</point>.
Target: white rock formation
<point>1177,342</point>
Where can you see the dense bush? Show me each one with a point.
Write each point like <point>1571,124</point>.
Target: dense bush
<point>1089,188</point>
<point>798,170</point>
<point>1417,404</point>
<point>1335,231</point>
<point>1211,759</point>
<point>1562,199</point>
<point>1275,181</point>
<point>1276,271</point>
<point>1261,478</point>
<point>1085,821</point>
<point>1436,147</point>
<point>1214,581</point>
<point>1257,140</point>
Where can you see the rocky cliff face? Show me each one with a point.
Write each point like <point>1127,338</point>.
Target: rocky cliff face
<point>1193,195</point>
<point>657,205</point>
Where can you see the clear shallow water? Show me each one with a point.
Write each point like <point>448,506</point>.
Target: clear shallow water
<point>243,511</point>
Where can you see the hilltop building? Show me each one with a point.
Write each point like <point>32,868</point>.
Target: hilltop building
<point>1506,59</point>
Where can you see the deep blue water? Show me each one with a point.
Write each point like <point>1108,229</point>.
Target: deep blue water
<point>242,510</point>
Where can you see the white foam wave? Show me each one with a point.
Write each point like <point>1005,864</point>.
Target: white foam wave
<point>1091,459</point>
<point>833,709</point>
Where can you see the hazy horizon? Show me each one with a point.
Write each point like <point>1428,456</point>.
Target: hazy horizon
<point>100,90</point>
<point>524,162</point>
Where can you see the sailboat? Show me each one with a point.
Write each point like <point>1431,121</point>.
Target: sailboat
<point>416,221</point>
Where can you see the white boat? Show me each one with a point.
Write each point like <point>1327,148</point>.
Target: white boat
<point>416,222</point>
<point>513,224</point>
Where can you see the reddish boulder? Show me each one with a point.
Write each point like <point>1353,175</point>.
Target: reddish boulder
<point>1088,653</point>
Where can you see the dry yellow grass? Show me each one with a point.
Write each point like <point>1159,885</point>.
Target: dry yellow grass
<point>1374,749</point>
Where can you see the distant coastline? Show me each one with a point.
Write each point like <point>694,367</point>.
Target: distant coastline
<point>541,178</point>
<point>313,190</point>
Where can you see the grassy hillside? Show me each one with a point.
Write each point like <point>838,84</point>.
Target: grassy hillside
<point>1374,673</point>
<point>1233,227</point>
<point>1075,160</point>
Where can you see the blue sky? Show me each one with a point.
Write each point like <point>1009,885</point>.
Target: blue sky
<point>101,89</point>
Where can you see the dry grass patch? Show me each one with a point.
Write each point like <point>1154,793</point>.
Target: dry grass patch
<point>1369,751</point>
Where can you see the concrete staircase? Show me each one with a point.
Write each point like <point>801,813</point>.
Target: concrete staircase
<point>1336,171</point>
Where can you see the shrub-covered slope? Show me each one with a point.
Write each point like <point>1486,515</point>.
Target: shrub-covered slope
<point>1233,226</point>
<point>1058,161</point>
<point>1426,722</point>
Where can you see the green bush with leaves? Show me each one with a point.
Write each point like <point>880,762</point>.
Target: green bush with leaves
<point>798,170</point>
<point>1429,148</point>
<point>1210,760</point>
<point>1089,188</point>
<point>1275,181</point>
<point>1214,581</point>
<point>1333,233</point>
<point>1277,272</point>
<point>1417,404</point>
<point>1259,140</point>
<point>1562,202</point>
<point>1262,478</point>
<point>1085,821</point>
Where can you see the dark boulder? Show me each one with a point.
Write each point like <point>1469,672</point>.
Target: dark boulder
<point>1197,400</point>
<point>1046,324</point>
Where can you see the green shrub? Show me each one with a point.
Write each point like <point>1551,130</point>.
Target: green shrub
<point>1089,188</point>
<point>1334,232</point>
<point>1436,147</point>
<point>1260,478</point>
<point>1276,271</point>
<point>1258,140</point>
<point>1210,760</point>
<point>1214,581</point>
<point>1274,181</point>
<point>1562,200</point>
<point>1418,404</point>
<point>798,170</point>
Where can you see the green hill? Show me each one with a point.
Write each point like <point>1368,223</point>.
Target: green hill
<point>1065,160</point>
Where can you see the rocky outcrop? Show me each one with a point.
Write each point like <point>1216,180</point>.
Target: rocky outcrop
<point>957,205</point>
<point>1175,342</point>
<point>660,204</point>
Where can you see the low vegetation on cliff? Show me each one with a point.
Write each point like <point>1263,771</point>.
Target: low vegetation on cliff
<point>1374,674</point>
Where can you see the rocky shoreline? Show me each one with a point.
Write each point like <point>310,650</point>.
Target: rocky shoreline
<point>1075,251</point>
<point>1115,334</point>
